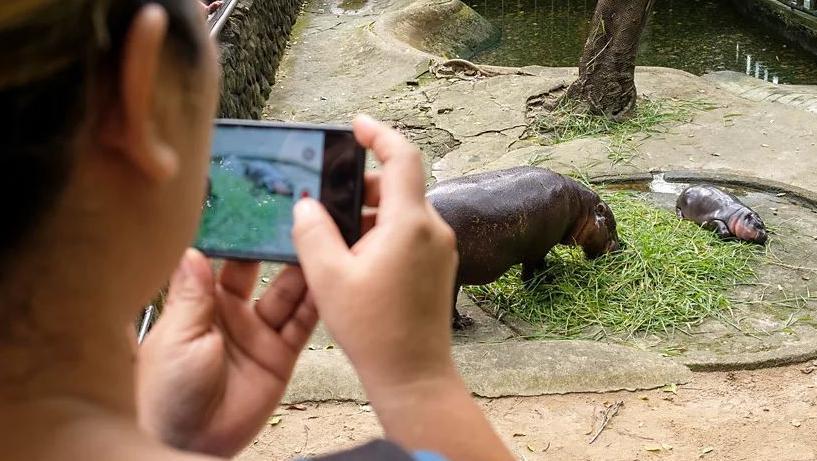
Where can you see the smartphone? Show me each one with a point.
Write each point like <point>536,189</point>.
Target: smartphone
<point>259,170</point>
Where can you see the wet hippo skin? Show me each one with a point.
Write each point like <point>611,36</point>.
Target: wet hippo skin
<point>506,217</point>
<point>721,212</point>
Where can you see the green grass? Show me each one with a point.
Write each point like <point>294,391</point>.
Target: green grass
<point>241,215</point>
<point>671,274</point>
<point>565,123</point>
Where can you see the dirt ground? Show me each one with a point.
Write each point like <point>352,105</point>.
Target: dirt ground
<point>747,415</point>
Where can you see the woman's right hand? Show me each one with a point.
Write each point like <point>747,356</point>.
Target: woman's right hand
<point>387,301</point>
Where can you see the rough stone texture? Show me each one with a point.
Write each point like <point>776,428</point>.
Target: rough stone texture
<point>793,24</point>
<point>252,43</point>
<point>446,28</point>
<point>522,368</point>
<point>802,96</point>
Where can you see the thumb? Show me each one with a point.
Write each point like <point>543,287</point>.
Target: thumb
<point>321,249</point>
<point>190,306</point>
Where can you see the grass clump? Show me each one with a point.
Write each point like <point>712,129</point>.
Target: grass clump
<point>241,215</point>
<point>670,274</point>
<point>566,123</point>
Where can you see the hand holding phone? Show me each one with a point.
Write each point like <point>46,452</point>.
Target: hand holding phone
<point>259,170</point>
<point>387,303</point>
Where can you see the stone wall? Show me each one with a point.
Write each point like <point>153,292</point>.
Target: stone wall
<point>252,44</point>
<point>795,25</point>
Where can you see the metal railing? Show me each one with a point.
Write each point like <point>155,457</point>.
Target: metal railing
<point>217,20</point>
<point>806,6</point>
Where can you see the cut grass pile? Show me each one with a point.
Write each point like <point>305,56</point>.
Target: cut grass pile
<point>565,123</point>
<point>241,215</point>
<point>670,274</point>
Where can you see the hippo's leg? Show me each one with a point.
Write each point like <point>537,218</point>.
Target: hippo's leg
<point>459,322</point>
<point>529,270</point>
<point>719,227</point>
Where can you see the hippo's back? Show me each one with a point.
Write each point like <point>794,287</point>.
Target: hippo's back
<point>503,217</point>
<point>704,202</point>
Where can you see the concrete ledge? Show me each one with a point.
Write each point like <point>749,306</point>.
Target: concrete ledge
<point>519,368</point>
<point>713,177</point>
<point>753,89</point>
<point>802,350</point>
<point>795,25</point>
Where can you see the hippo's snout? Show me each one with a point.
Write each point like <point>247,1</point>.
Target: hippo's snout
<point>762,237</point>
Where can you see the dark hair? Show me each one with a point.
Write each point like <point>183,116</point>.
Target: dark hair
<point>60,56</point>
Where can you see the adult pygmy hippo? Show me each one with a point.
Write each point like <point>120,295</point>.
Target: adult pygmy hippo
<point>722,212</point>
<point>512,216</point>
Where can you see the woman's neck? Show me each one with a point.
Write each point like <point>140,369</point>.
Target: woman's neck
<point>58,342</point>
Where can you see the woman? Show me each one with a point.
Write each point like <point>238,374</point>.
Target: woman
<point>108,106</point>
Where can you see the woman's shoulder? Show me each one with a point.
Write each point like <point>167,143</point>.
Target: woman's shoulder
<point>380,450</point>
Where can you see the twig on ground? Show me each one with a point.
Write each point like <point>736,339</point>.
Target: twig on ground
<point>609,413</point>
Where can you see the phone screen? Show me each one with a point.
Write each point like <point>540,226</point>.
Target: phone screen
<point>258,170</point>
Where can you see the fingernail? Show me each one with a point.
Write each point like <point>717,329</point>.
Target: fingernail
<point>305,207</point>
<point>365,119</point>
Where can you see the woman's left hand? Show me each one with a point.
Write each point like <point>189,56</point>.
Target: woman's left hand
<point>217,363</point>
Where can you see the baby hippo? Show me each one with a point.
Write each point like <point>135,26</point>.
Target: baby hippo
<point>722,212</point>
<point>513,216</point>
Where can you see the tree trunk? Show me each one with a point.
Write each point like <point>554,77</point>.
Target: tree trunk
<point>606,83</point>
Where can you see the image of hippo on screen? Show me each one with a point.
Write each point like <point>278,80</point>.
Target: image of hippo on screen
<point>506,217</point>
<point>721,212</point>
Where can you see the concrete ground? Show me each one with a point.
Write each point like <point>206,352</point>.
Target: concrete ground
<point>346,61</point>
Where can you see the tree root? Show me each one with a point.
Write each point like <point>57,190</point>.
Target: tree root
<point>467,70</point>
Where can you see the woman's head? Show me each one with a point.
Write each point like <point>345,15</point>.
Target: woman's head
<point>105,116</point>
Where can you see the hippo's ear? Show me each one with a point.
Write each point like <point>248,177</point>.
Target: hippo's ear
<point>600,208</point>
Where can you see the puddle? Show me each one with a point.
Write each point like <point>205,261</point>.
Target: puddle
<point>350,7</point>
<point>661,186</point>
<point>698,36</point>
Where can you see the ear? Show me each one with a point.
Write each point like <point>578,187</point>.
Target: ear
<point>600,208</point>
<point>132,129</point>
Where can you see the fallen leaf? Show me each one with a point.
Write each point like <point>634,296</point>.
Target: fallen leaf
<point>519,434</point>
<point>666,446</point>
<point>764,145</point>
<point>531,449</point>
<point>275,420</point>
<point>264,279</point>
<point>782,194</point>
<point>645,398</point>
<point>672,388</point>
<point>653,448</point>
<point>707,450</point>
<point>296,407</point>
<point>795,423</point>
<point>715,154</point>
<point>366,408</point>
